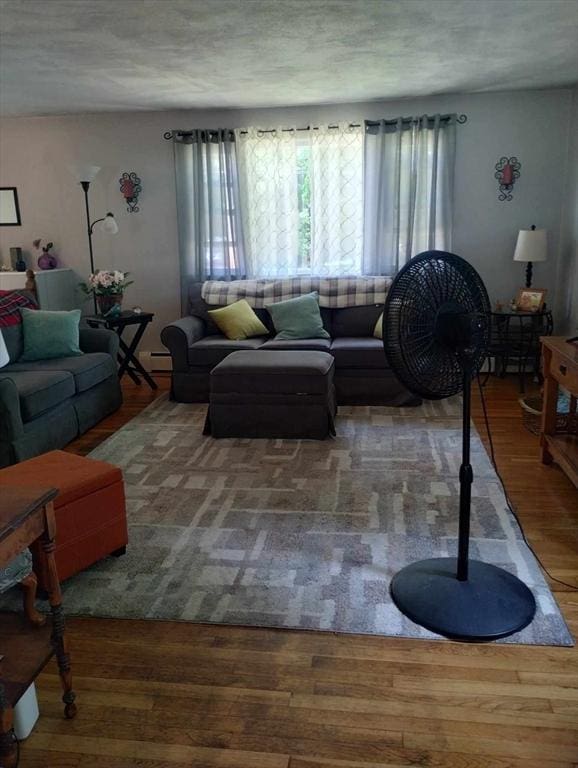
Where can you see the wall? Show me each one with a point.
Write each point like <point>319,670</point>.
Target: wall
<point>567,281</point>
<point>35,153</point>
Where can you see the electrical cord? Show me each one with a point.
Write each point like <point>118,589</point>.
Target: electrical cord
<point>508,500</point>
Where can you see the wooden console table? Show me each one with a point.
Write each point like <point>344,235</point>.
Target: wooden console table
<point>26,515</point>
<point>560,367</point>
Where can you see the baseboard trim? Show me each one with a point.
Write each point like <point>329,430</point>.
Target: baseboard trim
<point>154,362</point>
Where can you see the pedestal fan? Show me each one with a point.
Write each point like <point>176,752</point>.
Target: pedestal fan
<point>436,326</point>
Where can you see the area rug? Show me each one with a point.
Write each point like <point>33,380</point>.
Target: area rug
<point>298,534</point>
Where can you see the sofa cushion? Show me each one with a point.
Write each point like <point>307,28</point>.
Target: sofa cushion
<point>38,390</point>
<point>212,349</point>
<point>48,335</point>
<point>298,318</point>
<point>88,370</point>
<point>358,353</point>
<point>238,321</point>
<point>11,319</point>
<point>319,345</point>
<point>355,321</point>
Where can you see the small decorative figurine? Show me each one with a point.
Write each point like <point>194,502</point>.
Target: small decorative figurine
<point>30,284</point>
<point>47,260</point>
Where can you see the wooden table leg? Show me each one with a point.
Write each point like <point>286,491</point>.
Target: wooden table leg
<point>549,406</point>
<point>58,638</point>
<point>8,748</point>
<point>29,585</point>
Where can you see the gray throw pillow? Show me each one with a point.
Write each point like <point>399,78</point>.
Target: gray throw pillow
<point>298,318</point>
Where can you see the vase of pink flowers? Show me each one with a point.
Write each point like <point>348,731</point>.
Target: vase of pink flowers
<point>108,287</point>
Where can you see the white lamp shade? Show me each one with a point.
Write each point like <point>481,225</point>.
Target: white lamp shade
<point>4,356</point>
<point>109,224</point>
<point>84,172</point>
<point>531,245</point>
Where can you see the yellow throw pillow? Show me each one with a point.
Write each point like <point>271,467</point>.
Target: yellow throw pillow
<point>378,330</point>
<point>238,321</point>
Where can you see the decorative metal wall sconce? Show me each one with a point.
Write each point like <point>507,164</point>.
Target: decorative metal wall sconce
<point>130,189</point>
<point>507,173</point>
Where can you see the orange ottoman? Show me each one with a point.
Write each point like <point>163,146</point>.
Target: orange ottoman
<point>89,509</point>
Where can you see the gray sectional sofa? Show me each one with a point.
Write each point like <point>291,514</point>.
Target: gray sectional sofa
<point>46,404</point>
<point>362,375</point>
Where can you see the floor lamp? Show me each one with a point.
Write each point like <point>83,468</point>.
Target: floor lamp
<point>86,174</point>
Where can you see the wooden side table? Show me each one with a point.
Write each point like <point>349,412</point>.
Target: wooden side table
<point>560,364</point>
<point>27,515</point>
<point>128,361</point>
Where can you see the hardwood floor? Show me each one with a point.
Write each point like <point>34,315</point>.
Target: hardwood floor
<point>160,694</point>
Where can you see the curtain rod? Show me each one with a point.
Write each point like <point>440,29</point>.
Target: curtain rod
<point>461,119</point>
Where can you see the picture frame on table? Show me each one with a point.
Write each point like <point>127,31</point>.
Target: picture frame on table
<point>530,299</point>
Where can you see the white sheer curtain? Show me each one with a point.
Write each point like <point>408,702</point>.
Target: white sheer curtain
<point>302,200</point>
<point>336,200</point>
<point>408,190</point>
<point>268,183</point>
<point>211,242</point>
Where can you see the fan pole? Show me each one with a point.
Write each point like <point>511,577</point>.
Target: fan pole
<point>466,476</point>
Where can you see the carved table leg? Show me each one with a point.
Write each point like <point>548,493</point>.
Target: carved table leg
<point>58,638</point>
<point>29,584</point>
<point>8,750</point>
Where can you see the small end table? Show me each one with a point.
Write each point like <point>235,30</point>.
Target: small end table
<point>128,361</point>
<point>27,515</point>
<point>516,336</point>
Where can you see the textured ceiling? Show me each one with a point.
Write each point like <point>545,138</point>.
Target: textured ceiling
<point>66,56</point>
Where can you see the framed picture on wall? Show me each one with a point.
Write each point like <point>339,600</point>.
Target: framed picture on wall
<point>530,299</point>
<point>9,208</point>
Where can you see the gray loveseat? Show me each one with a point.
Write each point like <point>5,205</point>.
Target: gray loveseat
<point>46,404</point>
<point>362,375</point>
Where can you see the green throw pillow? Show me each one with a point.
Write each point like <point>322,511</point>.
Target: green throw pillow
<point>298,318</point>
<point>47,335</point>
<point>238,321</point>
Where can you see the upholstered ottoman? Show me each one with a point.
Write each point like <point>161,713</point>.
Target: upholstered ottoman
<point>272,394</point>
<point>90,509</point>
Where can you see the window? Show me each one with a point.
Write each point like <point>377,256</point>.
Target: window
<point>304,205</point>
<point>302,201</point>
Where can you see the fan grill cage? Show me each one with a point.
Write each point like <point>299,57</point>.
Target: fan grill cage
<point>430,281</point>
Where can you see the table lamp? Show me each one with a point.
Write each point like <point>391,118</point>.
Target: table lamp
<point>530,247</point>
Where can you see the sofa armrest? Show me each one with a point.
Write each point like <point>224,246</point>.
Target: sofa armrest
<point>99,340</point>
<point>11,426</point>
<point>178,337</point>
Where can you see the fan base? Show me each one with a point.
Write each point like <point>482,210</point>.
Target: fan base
<point>492,603</point>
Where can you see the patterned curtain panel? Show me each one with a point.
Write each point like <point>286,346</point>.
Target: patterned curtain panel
<point>336,200</point>
<point>269,184</point>
<point>302,200</point>
<point>211,241</point>
<point>408,191</point>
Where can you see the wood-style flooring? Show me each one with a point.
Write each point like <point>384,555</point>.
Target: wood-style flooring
<point>170,695</point>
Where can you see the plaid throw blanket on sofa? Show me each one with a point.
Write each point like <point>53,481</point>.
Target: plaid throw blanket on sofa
<point>333,291</point>
<point>10,304</point>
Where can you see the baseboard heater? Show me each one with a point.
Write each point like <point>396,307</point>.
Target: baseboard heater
<point>156,362</point>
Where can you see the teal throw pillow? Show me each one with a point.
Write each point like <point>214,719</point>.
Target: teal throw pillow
<point>298,318</point>
<point>47,335</point>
